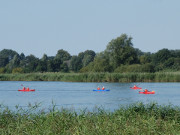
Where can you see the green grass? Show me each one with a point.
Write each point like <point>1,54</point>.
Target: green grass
<point>94,77</point>
<point>133,119</point>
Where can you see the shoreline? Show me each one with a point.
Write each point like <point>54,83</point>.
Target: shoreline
<point>94,77</point>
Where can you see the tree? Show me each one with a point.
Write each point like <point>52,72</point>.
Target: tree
<point>100,64</point>
<point>14,63</point>
<point>64,67</point>
<point>3,61</point>
<point>42,66</point>
<point>75,63</point>
<point>88,57</point>
<point>146,58</point>
<point>62,55</point>
<point>6,55</point>
<point>22,56</point>
<point>50,66</point>
<point>121,51</point>
<point>161,56</point>
<point>44,58</point>
<point>31,63</point>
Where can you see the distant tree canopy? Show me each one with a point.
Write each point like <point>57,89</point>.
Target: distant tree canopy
<point>120,51</point>
<point>119,56</point>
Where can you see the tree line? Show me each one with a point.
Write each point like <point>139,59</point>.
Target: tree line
<point>119,56</point>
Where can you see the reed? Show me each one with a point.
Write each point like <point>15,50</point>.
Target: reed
<point>137,118</point>
<point>94,77</point>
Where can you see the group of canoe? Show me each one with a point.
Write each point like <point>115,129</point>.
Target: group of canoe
<point>135,88</point>
<point>142,92</point>
<point>100,89</point>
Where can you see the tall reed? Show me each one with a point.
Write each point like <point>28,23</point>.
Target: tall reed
<point>94,77</point>
<point>133,119</point>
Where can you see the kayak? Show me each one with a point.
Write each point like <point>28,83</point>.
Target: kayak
<point>101,90</point>
<point>135,88</point>
<point>148,92</point>
<point>27,90</point>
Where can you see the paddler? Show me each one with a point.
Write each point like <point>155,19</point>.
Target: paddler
<point>145,90</point>
<point>103,88</point>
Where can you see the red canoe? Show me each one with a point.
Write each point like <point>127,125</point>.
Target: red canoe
<point>27,90</point>
<point>147,92</point>
<point>135,88</point>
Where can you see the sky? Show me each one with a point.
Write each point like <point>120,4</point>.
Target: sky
<point>45,26</point>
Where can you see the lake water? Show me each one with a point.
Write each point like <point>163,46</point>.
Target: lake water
<point>78,96</point>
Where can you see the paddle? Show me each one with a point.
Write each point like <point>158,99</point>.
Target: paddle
<point>23,86</point>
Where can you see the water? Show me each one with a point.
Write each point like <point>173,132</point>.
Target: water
<point>79,96</point>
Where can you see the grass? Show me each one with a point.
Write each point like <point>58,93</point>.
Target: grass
<point>94,77</point>
<point>133,119</point>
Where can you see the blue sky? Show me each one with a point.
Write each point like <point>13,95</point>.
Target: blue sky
<point>44,26</point>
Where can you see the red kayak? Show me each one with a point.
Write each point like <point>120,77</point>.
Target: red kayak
<point>135,88</point>
<point>147,92</point>
<point>27,90</point>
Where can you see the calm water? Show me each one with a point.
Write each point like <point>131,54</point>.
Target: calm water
<point>80,95</point>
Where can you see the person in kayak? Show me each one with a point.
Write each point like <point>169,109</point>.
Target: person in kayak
<point>98,88</point>
<point>103,88</point>
<point>24,88</point>
<point>145,90</point>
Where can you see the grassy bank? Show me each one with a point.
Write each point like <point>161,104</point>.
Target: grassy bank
<point>134,119</point>
<point>94,77</point>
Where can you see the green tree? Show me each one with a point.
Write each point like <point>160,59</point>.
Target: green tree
<point>88,57</point>
<point>62,55</point>
<point>161,56</point>
<point>42,65</point>
<point>64,67</point>
<point>6,55</point>
<point>15,62</point>
<point>2,70</point>
<point>75,63</point>
<point>22,56</point>
<point>146,58</point>
<point>121,51</point>
<point>30,63</point>
<point>50,66</point>
<point>100,64</point>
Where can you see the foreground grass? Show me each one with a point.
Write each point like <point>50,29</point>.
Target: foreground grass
<point>134,119</point>
<point>94,77</point>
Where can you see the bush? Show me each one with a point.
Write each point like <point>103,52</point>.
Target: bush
<point>17,70</point>
<point>2,70</point>
<point>135,68</point>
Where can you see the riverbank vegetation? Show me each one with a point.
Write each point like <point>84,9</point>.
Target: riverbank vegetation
<point>94,77</point>
<point>119,57</point>
<point>133,119</point>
